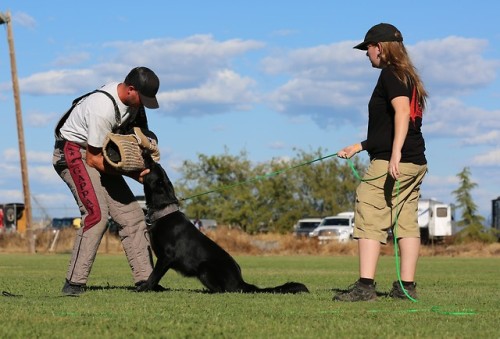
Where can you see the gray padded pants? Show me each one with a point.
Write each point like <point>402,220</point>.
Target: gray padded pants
<point>99,195</point>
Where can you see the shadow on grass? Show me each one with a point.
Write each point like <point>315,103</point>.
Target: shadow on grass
<point>133,289</point>
<point>348,289</point>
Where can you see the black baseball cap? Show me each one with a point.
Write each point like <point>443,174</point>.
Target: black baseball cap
<point>380,33</point>
<point>146,83</point>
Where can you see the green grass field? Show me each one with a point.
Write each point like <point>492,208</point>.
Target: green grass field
<point>459,298</point>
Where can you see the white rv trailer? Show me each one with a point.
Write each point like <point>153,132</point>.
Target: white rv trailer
<point>434,219</point>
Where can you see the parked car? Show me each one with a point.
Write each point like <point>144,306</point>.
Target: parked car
<point>339,227</point>
<point>61,223</point>
<point>304,226</point>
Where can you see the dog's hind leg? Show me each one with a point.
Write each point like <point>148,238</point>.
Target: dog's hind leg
<point>160,269</point>
<point>219,278</point>
<point>211,278</point>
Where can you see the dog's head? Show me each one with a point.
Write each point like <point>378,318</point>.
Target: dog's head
<point>158,188</point>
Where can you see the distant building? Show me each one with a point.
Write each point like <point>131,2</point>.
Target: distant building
<point>495,214</point>
<point>12,218</point>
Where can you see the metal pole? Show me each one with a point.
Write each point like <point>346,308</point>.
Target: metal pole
<point>5,18</point>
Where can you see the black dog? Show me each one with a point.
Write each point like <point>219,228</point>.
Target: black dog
<point>178,245</point>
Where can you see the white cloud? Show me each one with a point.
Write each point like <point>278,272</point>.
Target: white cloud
<point>11,155</point>
<point>225,90</point>
<point>24,19</point>
<point>491,158</point>
<point>307,92</point>
<point>454,65</point>
<point>71,59</point>
<point>39,157</point>
<point>432,180</point>
<point>195,72</point>
<point>450,117</point>
<point>439,187</point>
<point>277,145</point>
<point>491,138</point>
<point>184,62</point>
<point>45,175</point>
<point>332,82</point>
<point>319,62</point>
<point>62,81</point>
<point>38,119</point>
<point>284,32</point>
<point>329,83</point>
<point>11,196</point>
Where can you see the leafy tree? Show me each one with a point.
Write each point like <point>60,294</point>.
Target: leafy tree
<point>471,222</point>
<point>208,190</point>
<point>273,195</point>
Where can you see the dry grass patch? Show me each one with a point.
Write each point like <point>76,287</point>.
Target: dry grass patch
<point>238,242</point>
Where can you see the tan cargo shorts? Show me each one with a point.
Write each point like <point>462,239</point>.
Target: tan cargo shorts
<point>381,204</point>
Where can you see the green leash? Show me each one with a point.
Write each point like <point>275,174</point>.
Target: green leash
<point>259,177</point>
<point>434,309</point>
<point>398,268</point>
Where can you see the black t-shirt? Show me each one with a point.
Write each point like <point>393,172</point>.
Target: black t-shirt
<point>381,122</point>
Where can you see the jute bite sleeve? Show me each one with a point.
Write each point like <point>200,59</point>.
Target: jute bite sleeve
<point>124,151</point>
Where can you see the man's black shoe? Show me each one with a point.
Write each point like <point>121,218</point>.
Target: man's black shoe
<point>72,289</point>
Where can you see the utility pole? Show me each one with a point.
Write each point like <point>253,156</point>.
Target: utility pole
<point>5,19</point>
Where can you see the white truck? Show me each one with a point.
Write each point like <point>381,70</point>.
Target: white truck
<point>434,219</point>
<point>337,227</point>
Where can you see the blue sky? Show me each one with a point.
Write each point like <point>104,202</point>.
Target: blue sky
<point>266,77</point>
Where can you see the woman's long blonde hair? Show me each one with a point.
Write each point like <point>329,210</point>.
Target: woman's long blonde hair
<point>394,53</point>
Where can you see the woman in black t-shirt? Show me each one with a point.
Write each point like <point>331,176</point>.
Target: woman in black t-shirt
<point>388,195</point>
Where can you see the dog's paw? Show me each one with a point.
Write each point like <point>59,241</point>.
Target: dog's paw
<point>143,286</point>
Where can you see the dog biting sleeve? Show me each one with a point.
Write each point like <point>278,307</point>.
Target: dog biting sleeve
<point>148,140</point>
<point>123,152</point>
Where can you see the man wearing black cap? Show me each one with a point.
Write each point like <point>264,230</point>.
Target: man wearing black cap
<point>99,189</point>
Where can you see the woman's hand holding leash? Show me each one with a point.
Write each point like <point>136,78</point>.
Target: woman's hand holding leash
<point>349,151</point>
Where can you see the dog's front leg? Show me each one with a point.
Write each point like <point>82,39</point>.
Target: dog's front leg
<point>161,267</point>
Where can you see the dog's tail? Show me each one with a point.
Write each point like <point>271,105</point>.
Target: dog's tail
<point>289,287</point>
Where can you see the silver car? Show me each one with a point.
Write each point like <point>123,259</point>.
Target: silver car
<point>304,226</point>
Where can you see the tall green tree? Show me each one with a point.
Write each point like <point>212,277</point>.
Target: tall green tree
<point>470,222</point>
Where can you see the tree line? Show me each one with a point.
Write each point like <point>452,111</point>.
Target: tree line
<point>272,195</point>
